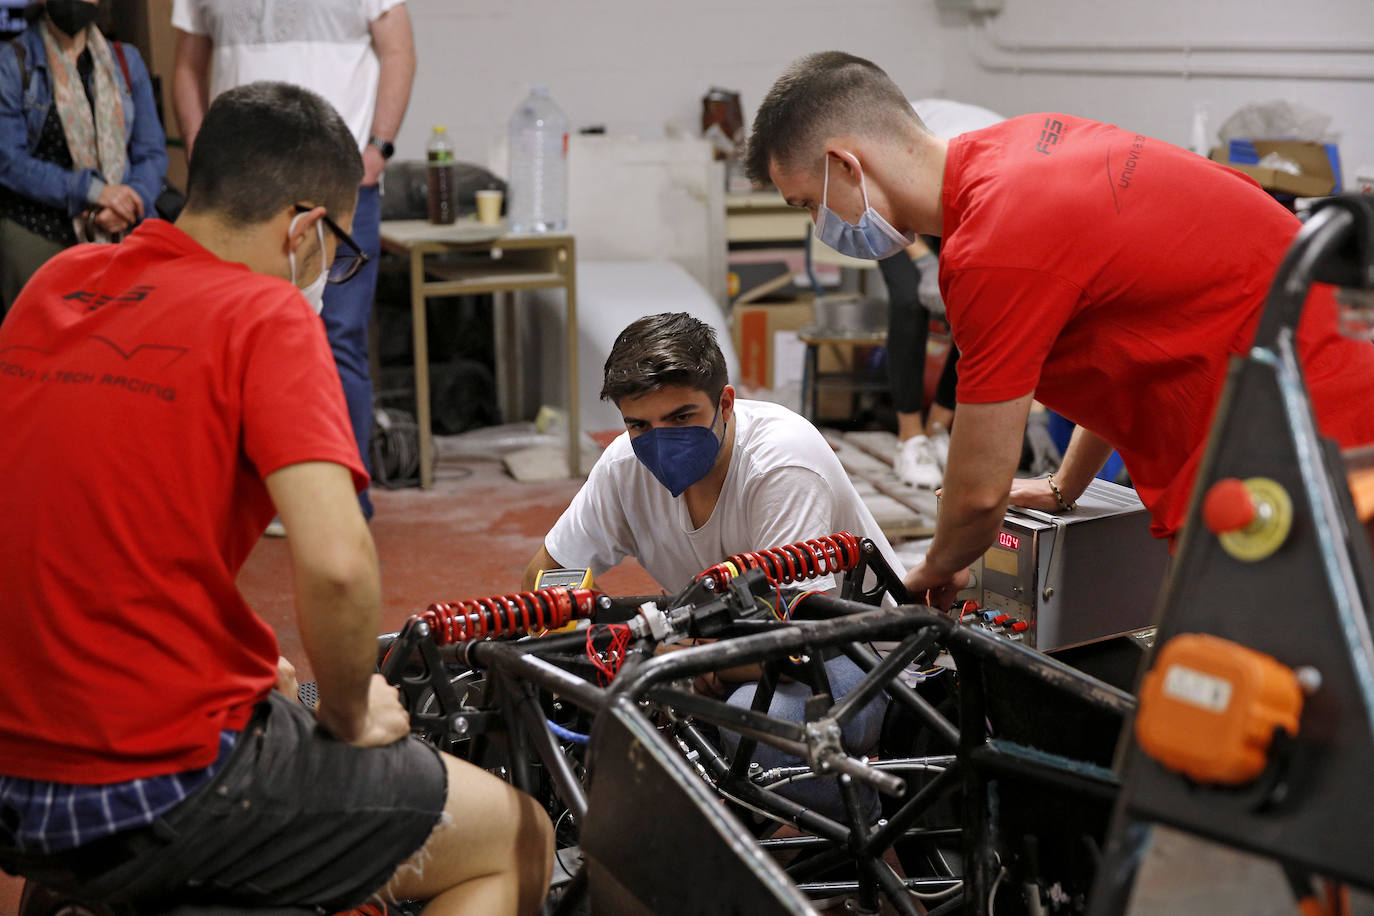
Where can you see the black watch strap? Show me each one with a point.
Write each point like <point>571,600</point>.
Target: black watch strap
<point>386,147</point>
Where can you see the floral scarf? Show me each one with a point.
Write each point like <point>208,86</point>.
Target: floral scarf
<point>95,138</point>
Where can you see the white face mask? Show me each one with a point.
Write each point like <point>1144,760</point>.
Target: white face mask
<point>314,293</point>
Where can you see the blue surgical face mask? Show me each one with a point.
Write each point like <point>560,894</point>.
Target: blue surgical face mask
<point>871,239</point>
<point>679,456</point>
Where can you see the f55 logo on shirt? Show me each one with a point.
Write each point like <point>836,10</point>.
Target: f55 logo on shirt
<point>1049,136</point>
<point>96,300</point>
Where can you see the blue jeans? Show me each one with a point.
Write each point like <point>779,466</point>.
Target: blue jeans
<point>347,308</point>
<point>860,736</point>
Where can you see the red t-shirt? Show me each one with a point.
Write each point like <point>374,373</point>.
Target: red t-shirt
<point>1114,275</point>
<point>146,391</point>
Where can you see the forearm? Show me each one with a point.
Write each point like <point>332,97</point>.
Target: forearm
<point>190,84</point>
<point>340,616</point>
<point>147,147</point>
<point>1085,456</point>
<point>395,49</point>
<point>146,180</point>
<point>984,448</point>
<point>393,95</point>
<point>188,95</point>
<point>963,532</point>
<point>45,182</point>
<point>147,167</point>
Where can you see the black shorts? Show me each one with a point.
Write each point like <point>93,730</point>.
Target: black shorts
<point>293,818</point>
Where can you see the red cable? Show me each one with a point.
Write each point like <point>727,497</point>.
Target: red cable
<point>831,553</point>
<point>615,651</point>
<point>507,615</point>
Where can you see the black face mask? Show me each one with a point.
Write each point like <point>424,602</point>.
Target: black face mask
<point>70,16</point>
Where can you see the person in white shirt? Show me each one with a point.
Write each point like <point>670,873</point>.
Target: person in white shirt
<point>360,56</point>
<point>700,476</point>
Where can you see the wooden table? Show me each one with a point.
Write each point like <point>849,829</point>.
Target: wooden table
<point>493,261</point>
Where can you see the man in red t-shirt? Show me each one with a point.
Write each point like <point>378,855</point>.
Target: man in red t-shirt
<point>161,399</point>
<point>1107,274</point>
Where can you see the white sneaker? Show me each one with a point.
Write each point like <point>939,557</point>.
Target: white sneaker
<point>940,440</point>
<point>919,461</point>
<point>276,529</point>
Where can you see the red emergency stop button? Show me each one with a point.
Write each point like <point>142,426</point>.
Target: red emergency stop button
<point>1251,518</point>
<point>1228,506</point>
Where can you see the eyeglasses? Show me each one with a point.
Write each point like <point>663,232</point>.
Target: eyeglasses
<point>348,262</point>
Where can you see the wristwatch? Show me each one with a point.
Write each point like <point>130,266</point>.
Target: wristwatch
<point>386,147</point>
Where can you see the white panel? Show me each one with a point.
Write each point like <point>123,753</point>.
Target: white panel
<point>610,295</point>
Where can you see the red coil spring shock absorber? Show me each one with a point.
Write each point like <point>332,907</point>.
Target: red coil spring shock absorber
<point>507,615</point>
<point>831,553</point>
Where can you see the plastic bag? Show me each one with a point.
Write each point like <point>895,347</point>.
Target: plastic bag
<point>1278,119</point>
<point>1280,163</point>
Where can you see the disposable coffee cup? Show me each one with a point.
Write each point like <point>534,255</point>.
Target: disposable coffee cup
<point>489,207</point>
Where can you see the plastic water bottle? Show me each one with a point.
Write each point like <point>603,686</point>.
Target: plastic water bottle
<point>538,185</point>
<point>442,177</point>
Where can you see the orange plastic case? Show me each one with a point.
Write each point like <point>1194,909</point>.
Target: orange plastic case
<point>1362,491</point>
<point>1209,707</point>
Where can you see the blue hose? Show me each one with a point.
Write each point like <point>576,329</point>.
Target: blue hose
<point>566,734</point>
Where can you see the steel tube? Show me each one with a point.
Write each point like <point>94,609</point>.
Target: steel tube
<point>570,791</point>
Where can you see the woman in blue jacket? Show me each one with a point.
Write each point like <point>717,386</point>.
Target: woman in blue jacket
<point>82,154</point>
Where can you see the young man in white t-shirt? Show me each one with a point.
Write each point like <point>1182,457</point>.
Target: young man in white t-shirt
<point>700,476</point>
<point>360,56</point>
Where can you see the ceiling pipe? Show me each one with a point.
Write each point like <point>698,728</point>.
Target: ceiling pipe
<point>1180,47</point>
<point>1012,61</point>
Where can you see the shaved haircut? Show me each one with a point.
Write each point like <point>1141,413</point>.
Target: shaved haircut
<point>819,96</point>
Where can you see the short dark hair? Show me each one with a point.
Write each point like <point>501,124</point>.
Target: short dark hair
<point>265,146</point>
<point>671,348</point>
<point>817,96</point>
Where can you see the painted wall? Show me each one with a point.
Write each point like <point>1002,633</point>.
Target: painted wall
<point>637,65</point>
<point>1319,53</point>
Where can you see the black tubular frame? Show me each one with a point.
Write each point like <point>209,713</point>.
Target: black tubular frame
<point>524,678</point>
<point>1264,426</point>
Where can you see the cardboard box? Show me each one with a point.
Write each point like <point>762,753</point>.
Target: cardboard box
<point>1317,178</point>
<point>837,403</point>
<point>756,328</point>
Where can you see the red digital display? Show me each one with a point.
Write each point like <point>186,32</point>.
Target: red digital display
<point>1009,540</point>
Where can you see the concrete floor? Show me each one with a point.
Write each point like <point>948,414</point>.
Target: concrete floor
<point>472,536</point>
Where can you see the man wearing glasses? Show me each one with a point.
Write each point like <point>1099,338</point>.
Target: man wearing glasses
<point>161,399</point>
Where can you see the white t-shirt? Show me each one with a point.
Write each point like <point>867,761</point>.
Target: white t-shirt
<point>323,45</point>
<point>947,118</point>
<point>784,485</point>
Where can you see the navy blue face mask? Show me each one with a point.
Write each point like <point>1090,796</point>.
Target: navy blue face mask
<point>679,456</point>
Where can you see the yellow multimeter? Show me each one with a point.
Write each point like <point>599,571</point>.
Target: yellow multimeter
<point>564,578</point>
